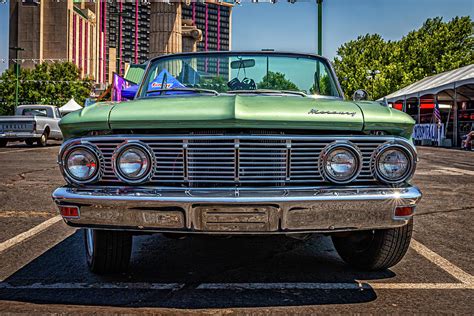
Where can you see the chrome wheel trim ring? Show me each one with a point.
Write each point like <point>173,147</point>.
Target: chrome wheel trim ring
<point>90,241</point>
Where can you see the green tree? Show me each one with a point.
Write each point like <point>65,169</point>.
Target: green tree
<point>276,81</point>
<point>218,84</point>
<point>323,87</point>
<point>47,83</point>
<point>436,47</point>
<point>7,92</point>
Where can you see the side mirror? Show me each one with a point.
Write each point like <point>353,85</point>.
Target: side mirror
<point>360,95</point>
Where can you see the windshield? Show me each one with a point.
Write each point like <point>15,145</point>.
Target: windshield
<point>197,74</point>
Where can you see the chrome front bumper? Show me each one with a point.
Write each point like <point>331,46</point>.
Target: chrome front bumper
<point>238,211</point>
<point>19,135</point>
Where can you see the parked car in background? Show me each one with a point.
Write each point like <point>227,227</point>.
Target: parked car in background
<point>240,143</point>
<point>31,124</point>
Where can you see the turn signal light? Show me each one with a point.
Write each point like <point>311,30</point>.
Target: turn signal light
<point>404,211</point>
<point>69,211</point>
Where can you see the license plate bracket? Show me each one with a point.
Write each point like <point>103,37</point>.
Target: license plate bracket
<point>231,218</point>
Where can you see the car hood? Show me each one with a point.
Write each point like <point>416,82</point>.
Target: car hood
<point>231,111</point>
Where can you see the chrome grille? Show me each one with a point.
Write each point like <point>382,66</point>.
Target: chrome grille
<point>210,160</point>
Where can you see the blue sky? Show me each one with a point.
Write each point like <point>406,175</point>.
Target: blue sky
<point>293,27</point>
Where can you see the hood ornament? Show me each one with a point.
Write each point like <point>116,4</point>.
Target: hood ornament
<point>318,112</point>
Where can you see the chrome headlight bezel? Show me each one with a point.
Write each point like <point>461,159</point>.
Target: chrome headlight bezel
<point>146,150</point>
<point>66,152</point>
<point>408,151</point>
<point>340,145</point>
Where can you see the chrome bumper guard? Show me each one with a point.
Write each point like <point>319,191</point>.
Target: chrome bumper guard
<point>238,211</point>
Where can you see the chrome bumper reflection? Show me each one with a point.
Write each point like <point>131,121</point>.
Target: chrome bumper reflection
<point>243,210</point>
<point>19,135</point>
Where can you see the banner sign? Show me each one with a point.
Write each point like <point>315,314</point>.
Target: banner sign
<point>167,79</point>
<point>119,84</point>
<point>428,132</point>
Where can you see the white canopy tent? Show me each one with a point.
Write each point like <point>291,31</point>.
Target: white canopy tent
<point>452,90</point>
<point>69,107</point>
<point>449,80</point>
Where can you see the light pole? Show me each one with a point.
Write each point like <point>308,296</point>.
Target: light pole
<point>320,26</point>
<point>371,75</point>
<point>17,72</point>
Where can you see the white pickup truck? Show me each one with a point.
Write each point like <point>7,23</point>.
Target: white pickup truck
<point>32,124</point>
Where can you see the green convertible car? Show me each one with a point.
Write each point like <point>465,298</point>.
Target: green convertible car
<point>234,143</point>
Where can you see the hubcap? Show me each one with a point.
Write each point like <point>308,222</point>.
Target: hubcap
<point>90,241</point>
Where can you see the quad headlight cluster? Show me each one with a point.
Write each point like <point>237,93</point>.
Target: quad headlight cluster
<point>82,163</point>
<point>341,162</point>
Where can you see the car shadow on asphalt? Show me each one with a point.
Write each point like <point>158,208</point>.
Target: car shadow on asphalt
<point>190,263</point>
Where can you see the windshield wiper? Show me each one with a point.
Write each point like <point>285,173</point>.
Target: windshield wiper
<point>268,91</point>
<point>197,90</point>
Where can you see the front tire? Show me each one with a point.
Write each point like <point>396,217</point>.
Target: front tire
<point>3,142</point>
<point>374,249</point>
<point>107,251</point>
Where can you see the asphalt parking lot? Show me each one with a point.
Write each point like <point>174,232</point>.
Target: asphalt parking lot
<point>42,264</point>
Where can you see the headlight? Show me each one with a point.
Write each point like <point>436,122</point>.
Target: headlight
<point>133,163</point>
<point>81,164</point>
<point>394,163</point>
<point>340,162</point>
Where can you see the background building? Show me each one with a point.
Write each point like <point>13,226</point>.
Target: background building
<point>214,20</point>
<point>128,23</point>
<point>103,37</point>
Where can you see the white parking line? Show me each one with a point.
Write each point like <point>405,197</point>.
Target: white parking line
<point>444,264</point>
<point>240,286</point>
<point>29,233</point>
<point>332,286</point>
